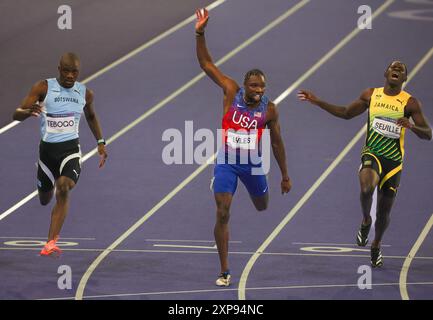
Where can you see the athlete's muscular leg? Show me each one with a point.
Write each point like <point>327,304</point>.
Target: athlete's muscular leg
<point>385,200</point>
<point>58,214</point>
<point>45,187</point>
<point>221,230</point>
<point>261,202</point>
<point>368,179</point>
<point>45,197</point>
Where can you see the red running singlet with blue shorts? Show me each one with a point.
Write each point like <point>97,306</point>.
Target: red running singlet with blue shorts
<point>240,154</point>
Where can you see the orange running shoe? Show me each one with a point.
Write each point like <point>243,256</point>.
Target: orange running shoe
<point>51,249</point>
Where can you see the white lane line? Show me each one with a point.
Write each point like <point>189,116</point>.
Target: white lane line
<point>171,96</point>
<point>184,246</point>
<point>334,244</point>
<point>331,53</point>
<point>171,240</point>
<point>275,254</point>
<point>9,126</point>
<point>134,52</point>
<point>84,279</point>
<point>419,65</point>
<point>222,290</point>
<point>333,165</point>
<point>98,260</point>
<point>36,238</point>
<point>408,260</point>
<point>411,256</point>
<point>405,268</point>
<point>18,204</point>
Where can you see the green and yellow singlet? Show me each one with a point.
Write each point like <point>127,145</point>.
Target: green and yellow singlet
<point>384,137</point>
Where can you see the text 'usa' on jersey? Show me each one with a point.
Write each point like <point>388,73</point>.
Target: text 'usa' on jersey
<point>62,110</point>
<point>243,126</point>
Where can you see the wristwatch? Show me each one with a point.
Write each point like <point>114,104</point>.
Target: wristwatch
<point>101,141</point>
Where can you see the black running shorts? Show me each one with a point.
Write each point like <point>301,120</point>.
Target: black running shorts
<point>389,171</point>
<point>58,159</point>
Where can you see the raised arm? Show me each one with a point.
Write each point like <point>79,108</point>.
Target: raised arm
<point>226,83</point>
<point>93,122</point>
<point>352,110</point>
<point>421,127</point>
<point>30,104</point>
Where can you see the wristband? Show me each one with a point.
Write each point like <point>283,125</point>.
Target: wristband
<point>101,141</point>
<point>199,34</point>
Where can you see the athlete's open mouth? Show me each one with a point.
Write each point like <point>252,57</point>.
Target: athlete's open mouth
<point>395,75</point>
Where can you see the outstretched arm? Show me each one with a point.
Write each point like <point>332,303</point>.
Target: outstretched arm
<point>226,83</point>
<point>30,107</point>
<point>278,147</point>
<point>354,109</point>
<point>421,127</point>
<point>93,122</point>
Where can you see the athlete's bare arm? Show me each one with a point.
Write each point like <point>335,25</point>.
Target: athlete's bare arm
<point>229,86</point>
<point>278,146</point>
<point>352,110</point>
<point>93,122</point>
<point>29,106</point>
<point>421,127</point>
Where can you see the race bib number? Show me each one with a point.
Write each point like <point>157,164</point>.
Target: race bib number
<point>60,123</point>
<point>387,127</point>
<point>244,140</point>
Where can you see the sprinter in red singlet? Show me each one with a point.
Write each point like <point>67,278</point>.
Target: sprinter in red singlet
<point>247,112</point>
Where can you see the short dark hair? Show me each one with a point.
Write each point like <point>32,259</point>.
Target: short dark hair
<point>253,72</point>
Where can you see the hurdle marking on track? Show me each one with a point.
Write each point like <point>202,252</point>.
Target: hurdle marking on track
<point>325,174</point>
<point>134,52</point>
<point>92,267</point>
